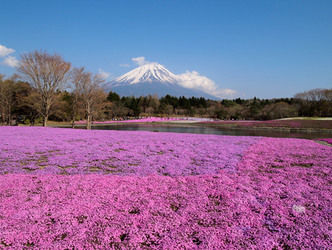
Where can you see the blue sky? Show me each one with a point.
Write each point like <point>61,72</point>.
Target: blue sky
<point>266,49</point>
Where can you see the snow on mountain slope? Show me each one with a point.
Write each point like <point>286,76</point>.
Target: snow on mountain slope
<point>152,78</point>
<point>147,73</point>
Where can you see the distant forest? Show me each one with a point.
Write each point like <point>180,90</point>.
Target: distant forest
<point>19,103</point>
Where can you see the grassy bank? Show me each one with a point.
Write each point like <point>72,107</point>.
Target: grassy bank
<point>291,125</point>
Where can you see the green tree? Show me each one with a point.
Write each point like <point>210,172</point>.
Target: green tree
<point>113,97</point>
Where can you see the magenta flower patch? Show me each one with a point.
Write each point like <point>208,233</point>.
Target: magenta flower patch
<point>148,120</point>
<point>64,188</point>
<point>68,151</point>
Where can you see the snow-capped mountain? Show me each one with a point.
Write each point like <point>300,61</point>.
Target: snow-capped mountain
<point>152,78</point>
<point>148,73</point>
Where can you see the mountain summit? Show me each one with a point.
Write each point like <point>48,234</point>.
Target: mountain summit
<point>152,78</point>
<point>148,73</point>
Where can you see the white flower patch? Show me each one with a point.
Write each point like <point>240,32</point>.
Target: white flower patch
<point>298,208</point>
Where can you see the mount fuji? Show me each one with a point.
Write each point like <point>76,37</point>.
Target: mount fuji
<point>152,79</point>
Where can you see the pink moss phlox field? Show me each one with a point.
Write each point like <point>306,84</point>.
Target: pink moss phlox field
<point>292,179</point>
<point>64,189</point>
<point>68,151</point>
<point>145,120</point>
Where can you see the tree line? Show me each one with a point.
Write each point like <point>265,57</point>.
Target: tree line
<point>317,102</point>
<point>46,87</point>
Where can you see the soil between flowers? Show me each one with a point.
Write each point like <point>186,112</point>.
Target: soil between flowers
<point>62,188</point>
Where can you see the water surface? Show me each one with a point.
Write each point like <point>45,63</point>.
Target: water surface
<point>198,129</point>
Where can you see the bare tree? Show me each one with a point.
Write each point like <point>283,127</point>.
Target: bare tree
<point>88,86</point>
<point>315,95</point>
<point>6,100</point>
<point>46,73</point>
<point>315,102</point>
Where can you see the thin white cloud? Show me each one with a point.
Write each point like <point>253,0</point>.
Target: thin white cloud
<point>124,65</point>
<point>104,74</point>
<point>11,61</point>
<point>193,80</point>
<point>4,51</point>
<point>140,60</point>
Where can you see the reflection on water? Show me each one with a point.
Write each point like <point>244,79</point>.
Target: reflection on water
<point>207,130</point>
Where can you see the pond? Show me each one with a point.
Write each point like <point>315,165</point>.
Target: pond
<point>198,129</point>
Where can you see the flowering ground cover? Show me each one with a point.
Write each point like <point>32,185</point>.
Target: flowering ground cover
<point>148,119</point>
<point>63,188</point>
